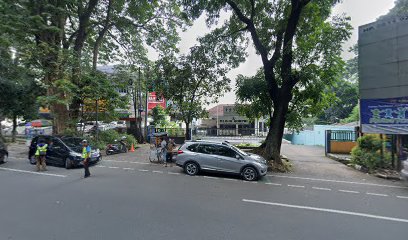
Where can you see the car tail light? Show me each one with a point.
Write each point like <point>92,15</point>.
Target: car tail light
<point>180,152</point>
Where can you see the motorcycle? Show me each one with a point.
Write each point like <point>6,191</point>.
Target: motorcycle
<point>118,147</point>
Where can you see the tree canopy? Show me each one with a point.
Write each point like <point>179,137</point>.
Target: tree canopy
<point>299,43</point>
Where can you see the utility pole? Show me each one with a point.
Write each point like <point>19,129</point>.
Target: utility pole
<point>146,107</point>
<point>97,128</point>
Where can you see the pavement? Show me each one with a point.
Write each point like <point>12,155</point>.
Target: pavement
<point>127,197</point>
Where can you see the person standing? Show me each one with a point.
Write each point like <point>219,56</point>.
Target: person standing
<point>170,147</point>
<point>163,146</point>
<point>40,155</point>
<point>86,154</point>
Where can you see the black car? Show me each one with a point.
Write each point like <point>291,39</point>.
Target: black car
<point>62,151</point>
<point>3,151</point>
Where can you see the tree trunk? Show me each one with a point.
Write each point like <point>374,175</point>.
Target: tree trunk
<point>187,135</point>
<point>14,132</point>
<point>277,125</point>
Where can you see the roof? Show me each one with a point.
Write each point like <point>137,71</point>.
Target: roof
<point>219,110</point>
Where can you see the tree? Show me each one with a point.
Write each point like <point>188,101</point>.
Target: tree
<point>192,82</point>
<point>20,89</point>
<point>400,8</point>
<point>353,117</point>
<point>253,99</point>
<point>158,115</point>
<point>299,43</point>
<point>64,35</point>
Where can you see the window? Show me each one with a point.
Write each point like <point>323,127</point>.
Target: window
<point>226,152</point>
<point>192,148</point>
<point>207,149</point>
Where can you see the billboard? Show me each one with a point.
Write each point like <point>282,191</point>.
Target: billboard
<point>383,75</point>
<point>388,115</point>
<point>154,99</point>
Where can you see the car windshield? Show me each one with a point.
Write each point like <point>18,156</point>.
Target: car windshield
<point>72,142</point>
<point>239,150</point>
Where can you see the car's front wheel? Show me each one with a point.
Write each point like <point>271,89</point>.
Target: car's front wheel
<point>68,163</point>
<point>191,168</point>
<point>249,174</point>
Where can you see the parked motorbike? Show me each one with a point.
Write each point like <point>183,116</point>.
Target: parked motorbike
<point>118,147</point>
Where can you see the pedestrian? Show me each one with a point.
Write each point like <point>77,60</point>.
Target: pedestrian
<point>40,155</point>
<point>86,154</point>
<point>170,147</point>
<point>163,146</point>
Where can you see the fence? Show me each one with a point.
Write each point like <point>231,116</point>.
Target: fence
<point>229,132</point>
<point>338,141</point>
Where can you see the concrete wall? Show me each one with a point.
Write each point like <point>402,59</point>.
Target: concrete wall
<point>315,137</point>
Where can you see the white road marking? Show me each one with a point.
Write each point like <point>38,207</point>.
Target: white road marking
<point>210,177</point>
<point>230,179</point>
<point>338,181</point>
<point>377,194</point>
<point>36,173</point>
<point>157,171</point>
<point>143,170</point>
<point>125,162</point>
<point>101,166</point>
<point>127,168</point>
<point>114,167</point>
<point>323,189</point>
<point>403,197</point>
<point>296,186</point>
<point>173,173</point>
<point>348,191</point>
<point>274,184</point>
<point>328,210</point>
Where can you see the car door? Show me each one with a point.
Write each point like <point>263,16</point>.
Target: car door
<point>56,152</point>
<point>228,160</point>
<point>207,157</point>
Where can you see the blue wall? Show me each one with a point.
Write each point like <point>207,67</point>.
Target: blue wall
<point>315,137</point>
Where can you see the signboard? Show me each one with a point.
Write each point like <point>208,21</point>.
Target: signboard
<point>155,100</point>
<point>387,116</point>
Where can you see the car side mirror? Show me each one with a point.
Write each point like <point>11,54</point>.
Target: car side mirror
<point>238,157</point>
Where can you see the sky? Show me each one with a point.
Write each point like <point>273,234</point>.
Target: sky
<point>360,11</point>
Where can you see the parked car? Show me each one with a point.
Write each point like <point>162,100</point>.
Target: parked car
<point>62,151</point>
<point>196,156</point>
<point>3,151</point>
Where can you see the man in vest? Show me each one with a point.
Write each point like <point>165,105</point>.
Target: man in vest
<point>86,154</point>
<point>40,155</point>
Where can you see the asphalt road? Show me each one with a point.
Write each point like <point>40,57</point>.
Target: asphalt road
<point>129,198</point>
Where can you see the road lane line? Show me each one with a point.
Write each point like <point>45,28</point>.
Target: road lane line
<point>274,184</point>
<point>338,181</point>
<point>377,194</point>
<point>173,173</point>
<point>127,168</point>
<point>323,189</point>
<point>113,167</point>
<point>296,186</point>
<point>403,197</point>
<point>101,166</point>
<point>210,177</point>
<point>230,179</point>
<point>157,171</point>
<point>328,210</point>
<point>347,191</point>
<point>36,173</point>
<point>143,170</point>
<point>118,161</point>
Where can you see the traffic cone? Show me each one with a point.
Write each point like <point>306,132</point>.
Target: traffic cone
<point>132,149</point>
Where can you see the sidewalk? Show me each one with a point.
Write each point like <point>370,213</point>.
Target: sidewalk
<point>310,161</point>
